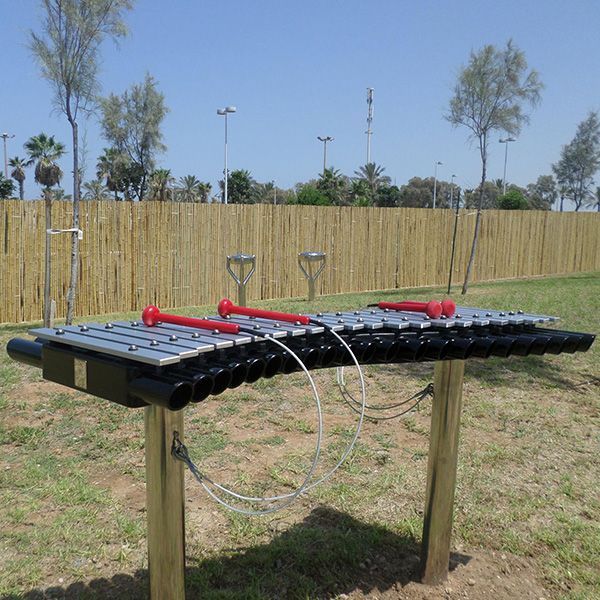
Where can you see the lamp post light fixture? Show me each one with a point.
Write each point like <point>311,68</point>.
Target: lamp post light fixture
<point>6,136</point>
<point>437,162</point>
<point>325,139</point>
<point>505,141</point>
<point>223,112</point>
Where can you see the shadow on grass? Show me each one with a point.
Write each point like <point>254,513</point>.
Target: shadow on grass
<point>328,554</point>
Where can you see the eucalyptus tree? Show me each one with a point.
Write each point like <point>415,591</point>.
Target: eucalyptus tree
<point>579,161</point>
<point>18,173</point>
<point>44,151</point>
<point>67,50</point>
<point>131,123</point>
<point>491,94</point>
<point>542,194</point>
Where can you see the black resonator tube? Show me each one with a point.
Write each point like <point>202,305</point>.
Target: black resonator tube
<point>25,351</point>
<point>156,390</point>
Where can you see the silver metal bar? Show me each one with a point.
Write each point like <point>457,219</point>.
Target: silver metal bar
<point>112,348</point>
<point>338,323</point>
<point>414,320</point>
<point>238,339</point>
<point>148,336</point>
<point>261,329</point>
<point>200,341</point>
<point>291,328</point>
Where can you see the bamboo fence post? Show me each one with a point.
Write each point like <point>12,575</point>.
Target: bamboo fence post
<point>441,470</point>
<point>164,505</point>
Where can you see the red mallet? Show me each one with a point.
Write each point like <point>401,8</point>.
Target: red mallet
<point>151,316</point>
<point>432,309</point>
<point>448,307</point>
<point>227,307</point>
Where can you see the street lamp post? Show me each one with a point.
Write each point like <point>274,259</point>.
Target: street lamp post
<point>6,136</point>
<point>325,139</point>
<point>223,113</point>
<point>505,141</point>
<point>437,162</point>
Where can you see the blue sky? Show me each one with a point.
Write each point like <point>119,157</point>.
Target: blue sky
<point>296,70</point>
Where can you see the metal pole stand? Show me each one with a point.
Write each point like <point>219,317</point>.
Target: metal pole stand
<point>241,260</point>
<point>311,259</point>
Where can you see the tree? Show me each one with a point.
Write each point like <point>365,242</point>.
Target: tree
<point>189,189</point>
<point>595,203</point>
<point>241,187</point>
<point>334,185</point>
<point>388,195</point>
<point>309,195</point>
<point>542,194</point>
<point>131,123</point>
<point>96,190</point>
<point>373,175</point>
<point>160,180</point>
<point>7,187</point>
<point>18,173</point>
<point>204,189</point>
<point>513,200</point>
<point>67,51</point>
<point>490,95</point>
<point>579,161</point>
<point>116,169</point>
<point>491,193</point>
<point>359,192</point>
<point>44,151</point>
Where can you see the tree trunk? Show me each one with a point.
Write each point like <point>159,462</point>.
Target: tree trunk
<point>562,200</point>
<point>75,235</point>
<point>47,258</point>
<point>483,150</point>
<point>21,190</point>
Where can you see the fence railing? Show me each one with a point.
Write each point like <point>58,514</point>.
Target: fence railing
<point>173,254</point>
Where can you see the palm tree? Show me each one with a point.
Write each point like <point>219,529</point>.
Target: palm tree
<point>204,189</point>
<point>95,190</point>
<point>44,151</point>
<point>333,184</point>
<point>189,189</point>
<point>159,184</point>
<point>112,167</point>
<point>373,175</point>
<point>18,173</point>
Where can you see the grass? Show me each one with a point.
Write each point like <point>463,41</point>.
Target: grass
<point>72,475</point>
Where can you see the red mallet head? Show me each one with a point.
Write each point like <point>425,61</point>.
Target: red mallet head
<point>150,315</point>
<point>224,307</point>
<point>448,307</point>
<point>433,309</point>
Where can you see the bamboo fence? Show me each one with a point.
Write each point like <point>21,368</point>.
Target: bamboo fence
<point>173,254</point>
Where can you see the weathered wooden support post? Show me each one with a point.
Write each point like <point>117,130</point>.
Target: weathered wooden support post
<point>441,470</point>
<point>164,505</point>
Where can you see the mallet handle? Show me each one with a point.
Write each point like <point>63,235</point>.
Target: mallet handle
<point>151,316</point>
<point>432,309</point>
<point>227,307</point>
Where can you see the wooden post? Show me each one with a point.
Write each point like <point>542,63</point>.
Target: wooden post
<point>441,470</point>
<point>164,505</point>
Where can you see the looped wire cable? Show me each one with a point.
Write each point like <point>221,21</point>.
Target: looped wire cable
<point>180,452</point>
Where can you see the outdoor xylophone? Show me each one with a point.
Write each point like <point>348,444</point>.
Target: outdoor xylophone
<point>171,360</point>
<point>163,362</point>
